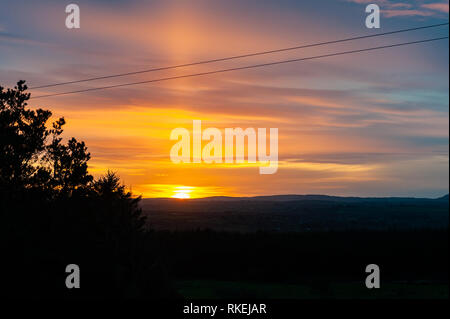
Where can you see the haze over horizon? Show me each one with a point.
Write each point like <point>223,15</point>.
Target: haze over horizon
<point>444,196</point>
<point>368,125</point>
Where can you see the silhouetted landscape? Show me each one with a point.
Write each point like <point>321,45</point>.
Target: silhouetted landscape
<point>296,213</point>
<point>302,246</point>
<point>230,159</point>
<point>54,213</point>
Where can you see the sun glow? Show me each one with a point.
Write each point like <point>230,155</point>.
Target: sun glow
<point>182,192</point>
<point>181,196</point>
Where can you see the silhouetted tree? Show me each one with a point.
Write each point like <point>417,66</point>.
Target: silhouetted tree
<point>54,213</point>
<point>110,191</point>
<point>33,156</point>
<point>22,136</point>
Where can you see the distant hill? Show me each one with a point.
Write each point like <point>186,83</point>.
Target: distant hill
<point>292,197</point>
<point>296,213</point>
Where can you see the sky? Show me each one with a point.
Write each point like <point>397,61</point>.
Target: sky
<point>367,124</point>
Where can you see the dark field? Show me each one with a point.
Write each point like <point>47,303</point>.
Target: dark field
<point>208,264</point>
<point>204,289</point>
<point>302,247</point>
<point>296,213</point>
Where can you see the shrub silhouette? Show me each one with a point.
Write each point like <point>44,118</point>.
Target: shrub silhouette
<point>53,213</point>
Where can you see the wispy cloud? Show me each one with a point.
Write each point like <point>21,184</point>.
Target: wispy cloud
<point>443,7</point>
<point>414,8</point>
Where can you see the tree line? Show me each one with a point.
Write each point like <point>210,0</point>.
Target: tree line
<point>54,213</point>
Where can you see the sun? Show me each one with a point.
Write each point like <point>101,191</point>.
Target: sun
<point>181,195</point>
<point>182,192</point>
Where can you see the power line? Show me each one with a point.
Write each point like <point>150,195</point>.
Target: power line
<point>243,68</point>
<point>241,56</point>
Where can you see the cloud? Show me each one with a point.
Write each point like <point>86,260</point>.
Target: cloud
<point>14,38</point>
<point>443,7</point>
<point>414,8</point>
<point>405,13</point>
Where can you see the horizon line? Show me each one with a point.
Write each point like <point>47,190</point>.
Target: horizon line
<point>285,195</point>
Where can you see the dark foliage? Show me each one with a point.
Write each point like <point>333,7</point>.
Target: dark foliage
<point>53,213</point>
<point>306,258</point>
